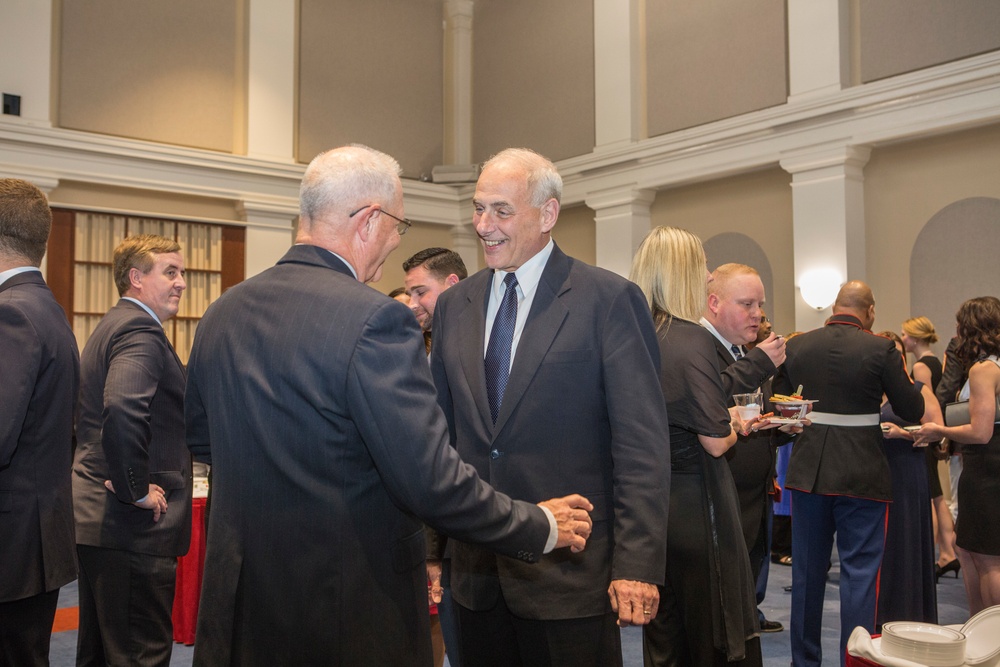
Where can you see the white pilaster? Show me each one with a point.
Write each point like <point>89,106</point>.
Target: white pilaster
<point>828,218</point>
<point>619,72</point>
<point>623,220</point>
<point>818,47</point>
<point>269,232</point>
<point>271,82</point>
<point>458,81</point>
<point>26,57</point>
<point>465,242</point>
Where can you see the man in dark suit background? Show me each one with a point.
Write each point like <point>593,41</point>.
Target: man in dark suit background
<point>839,474</point>
<point>568,398</point>
<point>132,470</point>
<point>733,316</point>
<point>40,371</point>
<point>311,394</point>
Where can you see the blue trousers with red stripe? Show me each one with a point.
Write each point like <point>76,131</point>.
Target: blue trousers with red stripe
<point>859,525</point>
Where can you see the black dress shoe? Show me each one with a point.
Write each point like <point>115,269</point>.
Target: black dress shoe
<point>771,626</point>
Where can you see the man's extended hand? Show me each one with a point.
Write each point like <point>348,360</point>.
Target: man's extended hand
<point>572,515</point>
<point>155,500</point>
<point>774,347</point>
<point>635,602</point>
<point>434,590</point>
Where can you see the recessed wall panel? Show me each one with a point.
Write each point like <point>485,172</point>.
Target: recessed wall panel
<point>900,36</point>
<point>154,70</point>
<point>533,77</point>
<point>371,72</point>
<point>713,59</point>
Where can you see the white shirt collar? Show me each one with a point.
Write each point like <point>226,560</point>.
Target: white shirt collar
<point>528,274</point>
<point>729,346</point>
<point>10,273</point>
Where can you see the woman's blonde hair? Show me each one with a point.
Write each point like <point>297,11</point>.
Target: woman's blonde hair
<point>670,269</point>
<point>920,328</point>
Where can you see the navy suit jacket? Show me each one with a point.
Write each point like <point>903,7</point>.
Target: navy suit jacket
<point>39,377</point>
<point>311,395</point>
<point>130,429</point>
<point>582,413</point>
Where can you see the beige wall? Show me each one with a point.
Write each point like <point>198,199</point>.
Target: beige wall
<point>371,72</point>
<point>899,36</point>
<point>85,195</point>
<point>576,233</point>
<point>758,205</point>
<point>420,235</point>
<point>533,77</point>
<point>155,70</point>
<point>738,48</point>
<point>905,186</point>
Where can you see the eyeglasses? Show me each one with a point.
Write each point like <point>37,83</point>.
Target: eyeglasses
<point>402,224</point>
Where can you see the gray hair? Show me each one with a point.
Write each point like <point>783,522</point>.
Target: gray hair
<point>544,181</point>
<point>346,178</point>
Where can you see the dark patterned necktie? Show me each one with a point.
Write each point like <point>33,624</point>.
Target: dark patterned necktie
<point>497,359</point>
<point>737,351</point>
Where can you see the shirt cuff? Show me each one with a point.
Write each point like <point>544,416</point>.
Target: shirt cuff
<point>550,544</point>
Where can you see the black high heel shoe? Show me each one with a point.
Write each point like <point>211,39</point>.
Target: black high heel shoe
<point>951,566</point>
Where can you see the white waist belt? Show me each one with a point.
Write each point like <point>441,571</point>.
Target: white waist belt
<point>833,419</point>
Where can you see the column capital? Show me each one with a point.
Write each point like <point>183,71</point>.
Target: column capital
<point>44,181</point>
<point>459,12</point>
<point>630,196</point>
<point>276,213</point>
<point>839,158</point>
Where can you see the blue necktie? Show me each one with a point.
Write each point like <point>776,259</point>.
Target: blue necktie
<point>497,359</point>
<point>737,351</point>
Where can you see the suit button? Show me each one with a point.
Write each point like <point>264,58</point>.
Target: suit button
<point>495,454</point>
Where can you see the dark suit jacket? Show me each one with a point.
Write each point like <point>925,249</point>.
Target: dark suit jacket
<point>846,369</point>
<point>311,393</point>
<point>582,413</point>
<point>130,429</point>
<point>752,458</point>
<point>39,377</point>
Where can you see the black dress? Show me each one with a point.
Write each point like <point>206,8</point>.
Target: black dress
<point>907,589</point>
<point>707,612</point>
<point>933,479</point>
<point>978,490</point>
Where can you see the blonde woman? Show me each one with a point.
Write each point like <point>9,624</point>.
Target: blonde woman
<point>707,610</point>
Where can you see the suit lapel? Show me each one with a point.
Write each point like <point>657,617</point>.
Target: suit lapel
<point>544,321</point>
<point>725,356</point>
<point>472,330</point>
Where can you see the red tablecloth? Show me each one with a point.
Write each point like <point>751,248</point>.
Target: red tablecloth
<point>189,571</point>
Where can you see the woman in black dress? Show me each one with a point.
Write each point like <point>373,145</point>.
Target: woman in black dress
<point>979,487</point>
<point>907,590</point>
<point>707,613</point>
<point>918,336</point>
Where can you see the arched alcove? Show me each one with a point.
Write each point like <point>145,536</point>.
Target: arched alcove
<point>956,257</point>
<point>741,249</point>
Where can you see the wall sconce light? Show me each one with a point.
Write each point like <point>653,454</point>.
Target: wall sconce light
<point>819,287</point>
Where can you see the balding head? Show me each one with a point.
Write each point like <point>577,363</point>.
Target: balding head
<point>856,298</point>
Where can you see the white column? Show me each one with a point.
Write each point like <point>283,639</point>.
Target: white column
<point>26,57</point>
<point>622,220</point>
<point>458,81</point>
<point>619,72</point>
<point>465,242</point>
<point>269,232</point>
<point>828,219</point>
<point>271,81</point>
<point>818,47</point>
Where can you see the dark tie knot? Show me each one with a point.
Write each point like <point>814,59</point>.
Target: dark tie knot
<point>737,351</point>
<point>510,280</point>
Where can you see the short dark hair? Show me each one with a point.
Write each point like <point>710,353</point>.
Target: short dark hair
<point>439,262</point>
<point>25,220</point>
<point>396,292</point>
<point>138,252</point>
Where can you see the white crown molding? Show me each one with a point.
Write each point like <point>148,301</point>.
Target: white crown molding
<point>957,95</point>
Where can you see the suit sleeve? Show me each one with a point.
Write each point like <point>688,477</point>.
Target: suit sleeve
<point>640,446</point>
<point>904,396</point>
<point>747,374</point>
<point>135,365</point>
<point>19,364</point>
<point>195,417</point>
<point>394,405</point>
<point>952,377</point>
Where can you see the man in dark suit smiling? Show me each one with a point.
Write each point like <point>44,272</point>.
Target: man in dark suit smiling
<point>311,395</point>
<point>547,370</point>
